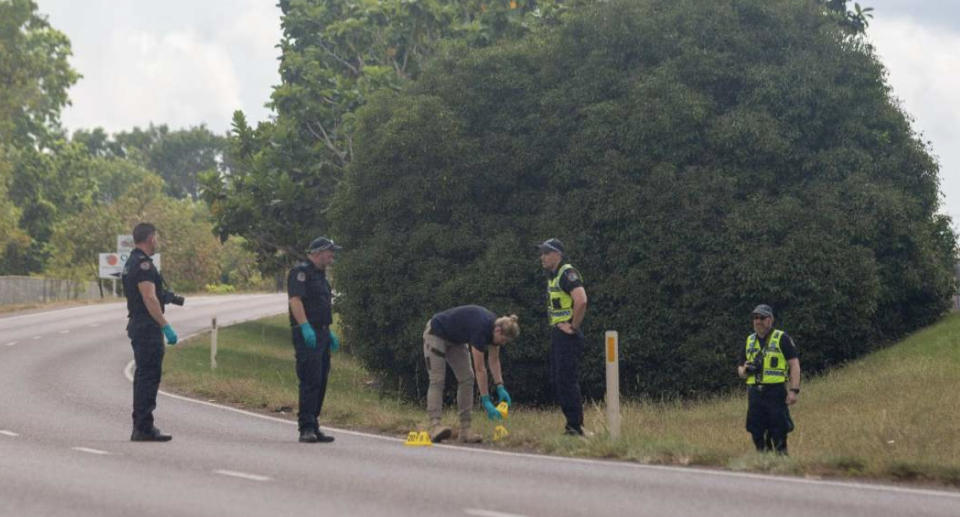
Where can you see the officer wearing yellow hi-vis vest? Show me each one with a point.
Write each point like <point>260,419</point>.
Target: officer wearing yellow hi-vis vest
<point>566,307</point>
<point>769,365</point>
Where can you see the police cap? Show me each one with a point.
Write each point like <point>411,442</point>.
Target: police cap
<point>763,310</point>
<point>322,244</point>
<point>551,245</point>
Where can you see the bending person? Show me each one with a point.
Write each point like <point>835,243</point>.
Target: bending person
<point>450,338</point>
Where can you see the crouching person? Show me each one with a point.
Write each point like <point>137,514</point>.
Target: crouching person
<point>450,338</point>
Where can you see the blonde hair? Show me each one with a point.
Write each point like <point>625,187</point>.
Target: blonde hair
<point>508,326</point>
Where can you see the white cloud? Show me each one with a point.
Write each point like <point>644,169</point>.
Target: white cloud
<point>924,72</point>
<point>140,77</point>
<point>178,62</point>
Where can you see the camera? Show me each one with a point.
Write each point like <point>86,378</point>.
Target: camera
<point>755,365</point>
<point>172,297</point>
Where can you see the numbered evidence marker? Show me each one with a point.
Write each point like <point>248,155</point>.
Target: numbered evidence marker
<point>418,439</point>
<point>503,409</point>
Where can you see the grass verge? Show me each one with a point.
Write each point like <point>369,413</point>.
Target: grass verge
<point>889,416</point>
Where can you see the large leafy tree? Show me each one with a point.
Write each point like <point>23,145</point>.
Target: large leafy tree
<point>335,54</point>
<point>697,158</point>
<point>36,75</point>
<point>178,156</point>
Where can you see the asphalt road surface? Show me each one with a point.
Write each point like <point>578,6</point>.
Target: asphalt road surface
<point>65,451</point>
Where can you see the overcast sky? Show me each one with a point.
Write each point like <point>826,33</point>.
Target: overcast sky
<point>186,62</point>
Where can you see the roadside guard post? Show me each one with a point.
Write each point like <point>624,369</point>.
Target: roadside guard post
<point>213,344</point>
<point>612,342</point>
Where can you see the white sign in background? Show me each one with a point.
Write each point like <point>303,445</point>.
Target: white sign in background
<point>111,264</point>
<point>125,244</point>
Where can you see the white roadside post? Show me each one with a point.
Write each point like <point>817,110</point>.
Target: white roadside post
<point>213,345</point>
<point>612,340</point>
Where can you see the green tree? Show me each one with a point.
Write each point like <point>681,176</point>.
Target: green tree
<point>853,21</point>
<point>697,159</point>
<point>177,156</point>
<point>335,54</point>
<point>36,75</point>
<point>10,234</point>
<point>190,252</point>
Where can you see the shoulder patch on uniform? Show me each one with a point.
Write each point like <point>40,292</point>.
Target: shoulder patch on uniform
<point>572,275</point>
<point>301,276</point>
<point>145,265</point>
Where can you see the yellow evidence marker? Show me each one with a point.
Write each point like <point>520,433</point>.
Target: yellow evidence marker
<point>502,408</point>
<point>499,433</point>
<point>421,439</point>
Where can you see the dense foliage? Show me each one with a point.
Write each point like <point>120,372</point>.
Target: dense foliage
<point>697,158</point>
<point>335,54</point>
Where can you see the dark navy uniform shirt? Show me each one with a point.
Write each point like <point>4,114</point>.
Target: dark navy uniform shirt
<point>465,324</point>
<point>139,268</point>
<point>310,284</point>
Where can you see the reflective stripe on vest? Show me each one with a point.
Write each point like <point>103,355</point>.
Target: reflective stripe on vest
<point>774,363</point>
<point>559,303</point>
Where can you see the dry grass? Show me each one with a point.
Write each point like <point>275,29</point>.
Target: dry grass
<point>891,415</point>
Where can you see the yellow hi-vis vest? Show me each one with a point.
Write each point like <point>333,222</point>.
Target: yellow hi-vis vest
<point>774,363</point>
<point>559,303</point>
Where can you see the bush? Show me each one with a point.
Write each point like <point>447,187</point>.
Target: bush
<point>220,288</point>
<point>697,158</point>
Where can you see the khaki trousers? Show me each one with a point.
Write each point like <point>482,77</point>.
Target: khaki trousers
<point>438,353</point>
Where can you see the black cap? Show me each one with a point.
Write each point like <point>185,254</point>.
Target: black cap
<point>763,310</point>
<point>322,244</point>
<point>551,245</point>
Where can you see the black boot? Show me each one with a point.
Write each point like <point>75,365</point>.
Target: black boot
<point>153,435</point>
<point>309,436</point>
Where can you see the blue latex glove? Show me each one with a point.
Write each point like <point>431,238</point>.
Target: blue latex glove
<point>309,336</point>
<point>492,412</point>
<point>171,335</point>
<point>503,395</point>
<point>334,341</point>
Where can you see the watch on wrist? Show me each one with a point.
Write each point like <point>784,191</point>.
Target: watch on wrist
<point>795,390</point>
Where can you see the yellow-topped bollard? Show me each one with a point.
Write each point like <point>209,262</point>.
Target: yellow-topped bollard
<point>503,409</point>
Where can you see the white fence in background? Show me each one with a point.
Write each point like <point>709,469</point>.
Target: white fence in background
<point>28,289</point>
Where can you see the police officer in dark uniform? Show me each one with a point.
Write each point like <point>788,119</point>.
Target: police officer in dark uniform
<point>146,295</point>
<point>310,318</point>
<point>771,366</point>
<point>566,307</point>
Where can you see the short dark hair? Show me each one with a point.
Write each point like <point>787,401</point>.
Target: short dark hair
<point>142,232</point>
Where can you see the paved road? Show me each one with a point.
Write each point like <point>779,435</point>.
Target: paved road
<point>64,450</point>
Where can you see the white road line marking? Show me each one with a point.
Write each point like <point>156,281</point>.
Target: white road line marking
<point>128,372</point>
<point>12,343</point>
<point>8,433</point>
<point>36,337</point>
<point>488,513</point>
<point>93,325</point>
<point>242,475</point>
<point>89,450</point>
<point>64,331</point>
